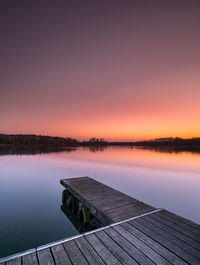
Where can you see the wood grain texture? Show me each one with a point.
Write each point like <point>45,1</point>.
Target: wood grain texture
<point>16,261</point>
<point>181,225</point>
<point>102,250</point>
<point>190,224</point>
<point>107,204</point>
<point>91,255</point>
<point>183,234</point>
<point>160,249</point>
<point>30,259</point>
<point>75,255</point>
<point>145,249</point>
<point>115,248</point>
<point>157,237</point>
<point>60,255</point>
<point>45,257</point>
<point>131,249</point>
<point>173,236</point>
<point>162,238</point>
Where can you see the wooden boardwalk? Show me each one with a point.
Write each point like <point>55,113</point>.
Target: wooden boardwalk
<point>104,202</point>
<point>159,238</point>
<point>153,237</point>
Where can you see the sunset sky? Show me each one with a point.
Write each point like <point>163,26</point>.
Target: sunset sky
<point>122,70</point>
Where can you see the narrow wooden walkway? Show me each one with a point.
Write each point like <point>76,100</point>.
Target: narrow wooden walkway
<point>159,238</point>
<point>104,202</point>
<point>155,236</point>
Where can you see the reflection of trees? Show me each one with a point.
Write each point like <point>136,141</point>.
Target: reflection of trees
<point>37,144</point>
<point>11,150</point>
<point>171,145</point>
<point>94,149</point>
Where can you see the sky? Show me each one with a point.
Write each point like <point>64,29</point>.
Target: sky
<point>121,70</point>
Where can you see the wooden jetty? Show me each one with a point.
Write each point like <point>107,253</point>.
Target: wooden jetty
<point>133,233</point>
<point>105,203</point>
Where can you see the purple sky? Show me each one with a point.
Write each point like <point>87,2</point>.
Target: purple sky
<point>113,69</point>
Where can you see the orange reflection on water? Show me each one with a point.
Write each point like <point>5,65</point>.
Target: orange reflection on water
<point>139,157</point>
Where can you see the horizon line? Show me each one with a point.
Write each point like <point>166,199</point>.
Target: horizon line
<point>103,138</point>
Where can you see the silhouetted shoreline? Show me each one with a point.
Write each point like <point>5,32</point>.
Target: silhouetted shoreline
<point>34,144</point>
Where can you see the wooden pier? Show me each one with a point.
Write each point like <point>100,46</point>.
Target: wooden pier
<point>133,233</point>
<point>105,203</point>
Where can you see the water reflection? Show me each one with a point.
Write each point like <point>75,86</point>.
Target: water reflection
<point>170,150</point>
<point>31,213</point>
<point>16,150</point>
<point>78,214</point>
<point>76,221</point>
<point>5,150</point>
<point>81,228</point>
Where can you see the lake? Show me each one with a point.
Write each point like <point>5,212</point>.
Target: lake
<point>31,194</point>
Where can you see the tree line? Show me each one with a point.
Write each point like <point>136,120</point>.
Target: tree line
<point>50,141</point>
<point>36,140</point>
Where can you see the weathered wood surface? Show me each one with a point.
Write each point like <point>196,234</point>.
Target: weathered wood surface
<point>146,237</point>
<point>104,202</point>
<point>144,240</point>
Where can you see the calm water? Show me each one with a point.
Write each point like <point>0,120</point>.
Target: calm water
<point>30,193</point>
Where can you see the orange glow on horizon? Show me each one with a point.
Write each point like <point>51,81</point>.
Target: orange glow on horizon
<point>122,80</point>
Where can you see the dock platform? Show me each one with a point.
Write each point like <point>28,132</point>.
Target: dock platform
<point>155,236</point>
<point>105,203</point>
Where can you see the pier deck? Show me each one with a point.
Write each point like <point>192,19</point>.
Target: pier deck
<point>104,202</point>
<point>153,237</point>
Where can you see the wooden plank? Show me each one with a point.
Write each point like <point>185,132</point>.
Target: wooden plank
<point>149,252</point>
<point>113,194</point>
<point>30,259</point>
<point>179,232</point>
<point>103,252</point>
<point>16,261</point>
<point>92,190</point>
<point>124,209</point>
<point>175,237</point>
<point>74,253</point>
<point>76,179</point>
<point>129,205</point>
<point>111,201</point>
<point>95,194</point>
<point>45,257</point>
<point>180,226</point>
<point>152,232</point>
<point>116,250</point>
<point>96,190</point>
<point>60,255</point>
<point>93,187</point>
<point>88,185</point>
<point>182,222</point>
<point>90,254</point>
<point>134,252</point>
<point>128,211</point>
<point>164,252</point>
